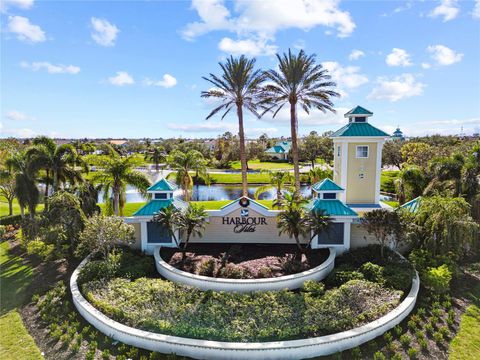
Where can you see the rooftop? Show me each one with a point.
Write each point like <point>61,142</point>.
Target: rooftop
<point>162,185</point>
<point>359,129</point>
<point>358,110</point>
<point>326,185</point>
<point>332,207</point>
<point>154,206</point>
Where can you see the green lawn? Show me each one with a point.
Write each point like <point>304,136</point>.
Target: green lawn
<point>263,165</point>
<point>237,178</point>
<point>15,341</point>
<point>393,204</point>
<point>16,207</point>
<point>466,344</point>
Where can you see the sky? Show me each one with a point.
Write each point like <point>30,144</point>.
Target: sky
<point>133,69</point>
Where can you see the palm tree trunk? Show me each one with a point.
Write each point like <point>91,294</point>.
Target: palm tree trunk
<point>116,200</point>
<point>313,164</point>
<point>10,207</point>
<point>293,126</point>
<point>55,181</point>
<point>243,157</point>
<point>47,178</point>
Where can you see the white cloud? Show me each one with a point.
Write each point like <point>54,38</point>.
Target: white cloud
<point>398,57</point>
<point>167,81</point>
<point>300,44</point>
<point>426,66</point>
<point>448,9</point>
<point>400,87</point>
<point>437,126</point>
<point>104,33</point>
<point>408,5</point>
<point>25,30</point>
<point>18,133</point>
<point>122,78</point>
<point>444,55</point>
<point>219,127</point>
<point>346,77</point>
<point>16,115</point>
<point>51,68</point>
<point>21,4</point>
<point>249,47</point>
<point>476,10</point>
<point>356,54</point>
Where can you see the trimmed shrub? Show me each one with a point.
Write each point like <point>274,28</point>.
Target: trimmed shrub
<point>423,344</point>
<point>388,337</point>
<point>207,268</point>
<point>342,274</point>
<point>373,272</point>
<point>231,271</point>
<point>39,248</point>
<point>398,330</point>
<point>378,355</point>
<point>438,337</point>
<point>405,340</point>
<point>314,288</point>
<point>265,272</point>
<point>438,279</point>
<point>398,275</point>
<point>10,220</point>
<point>412,353</point>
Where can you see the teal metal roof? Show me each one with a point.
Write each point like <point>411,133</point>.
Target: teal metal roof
<point>162,185</point>
<point>358,110</point>
<point>412,205</point>
<point>359,129</point>
<point>326,185</point>
<point>280,147</point>
<point>332,207</point>
<point>154,206</point>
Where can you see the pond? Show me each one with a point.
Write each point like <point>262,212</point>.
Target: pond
<point>215,192</point>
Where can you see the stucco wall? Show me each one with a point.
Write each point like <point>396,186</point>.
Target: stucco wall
<point>361,191</point>
<point>138,242</point>
<point>278,350</point>
<point>216,231</point>
<point>337,163</point>
<point>360,237</point>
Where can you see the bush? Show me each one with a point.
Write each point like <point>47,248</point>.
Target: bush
<point>405,340</point>
<point>388,337</point>
<point>356,353</point>
<point>207,268</point>
<point>39,248</point>
<point>438,337</point>
<point>398,330</point>
<point>373,272</point>
<point>3,230</point>
<point>399,275</point>
<point>314,288</point>
<point>412,353</point>
<point>106,354</point>
<point>231,271</point>
<point>10,220</point>
<point>396,356</point>
<point>289,264</point>
<point>265,272</point>
<point>342,274</point>
<point>378,355</point>
<point>438,279</point>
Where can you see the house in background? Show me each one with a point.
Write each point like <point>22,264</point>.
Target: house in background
<point>280,150</point>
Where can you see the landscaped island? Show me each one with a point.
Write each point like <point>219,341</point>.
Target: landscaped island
<point>350,297</point>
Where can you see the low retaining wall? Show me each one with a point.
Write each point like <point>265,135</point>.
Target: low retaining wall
<point>290,282</point>
<point>204,349</point>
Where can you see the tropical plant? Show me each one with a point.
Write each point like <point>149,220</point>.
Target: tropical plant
<point>88,195</point>
<point>278,180</point>
<point>410,183</point>
<point>386,227</point>
<point>156,155</point>
<point>104,233</point>
<point>239,86</point>
<point>7,188</point>
<point>116,173</point>
<point>26,190</point>
<point>318,174</point>
<point>417,154</point>
<point>57,161</point>
<point>292,220</point>
<point>169,218</point>
<point>191,221</point>
<point>449,169</point>
<point>318,223</point>
<point>299,81</point>
<point>185,162</point>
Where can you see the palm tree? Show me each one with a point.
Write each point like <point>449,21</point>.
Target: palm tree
<point>449,169</point>
<point>292,220</point>
<point>318,174</point>
<point>277,180</point>
<point>300,80</point>
<point>156,154</point>
<point>192,222</point>
<point>239,86</point>
<point>183,164</point>
<point>26,189</point>
<point>169,219</point>
<point>318,222</point>
<point>57,161</point>
<point>114,177</point>
<point>410,183</point>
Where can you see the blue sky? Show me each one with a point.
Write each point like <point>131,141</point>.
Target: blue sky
<point>134,69</point>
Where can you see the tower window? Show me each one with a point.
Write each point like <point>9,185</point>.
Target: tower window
<point>329,196</point>
<point>362,151</point>
<point>360,119</point>
<point>160,196</point>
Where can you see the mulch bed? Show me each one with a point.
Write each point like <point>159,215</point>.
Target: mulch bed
<point>252,257</point>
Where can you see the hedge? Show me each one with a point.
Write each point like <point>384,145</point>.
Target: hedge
<point>10,220</point>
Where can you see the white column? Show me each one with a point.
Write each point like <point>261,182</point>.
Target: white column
<point>144,235</point>
<point>378,171</point>
<point>346,234</point>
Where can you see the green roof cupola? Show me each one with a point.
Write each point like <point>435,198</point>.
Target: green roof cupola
<point>358,114</point>
<point>162,190</point>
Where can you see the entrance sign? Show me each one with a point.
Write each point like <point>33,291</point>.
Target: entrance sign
<point>244,223</point>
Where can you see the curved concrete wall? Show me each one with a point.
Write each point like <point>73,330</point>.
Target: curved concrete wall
<point>278,350</point>
<point>290,282</point>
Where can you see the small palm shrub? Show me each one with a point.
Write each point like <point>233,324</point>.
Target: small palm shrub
<point>106,354</point>
<point>429,328</point>
<point>396,356</point>
<point>356,353</point>
<point>398,330</point>
<point>388,337</point>
<point>379,356</point>
<point>405,340</point>
<point>421,312</point>
<point>423,344</point>
<point>438,337</point>
<point>412,353</point>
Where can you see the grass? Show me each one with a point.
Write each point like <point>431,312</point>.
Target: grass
<point>15,341</point>
<point>16,207</point>
<point>237,178</point>
<point>466,344</point>
<point>263,165</point>
<point>393,204</point>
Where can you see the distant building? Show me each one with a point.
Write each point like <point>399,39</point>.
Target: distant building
<point>118,142</point>
<point>280,150</point>
<point>398,135</point>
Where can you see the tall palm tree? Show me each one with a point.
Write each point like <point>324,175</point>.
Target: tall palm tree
<point>410,183</point>
<point>169,219</point>
<point>192,221</point>
<point>278,180</point>
<point>185,162</point>
<point>116,174</point>
<point>26,189</point>
<point>299,81</point>
<point>156,154</point>
<point>449,169</point>
<point>57,161</point>
<point>239,86</point>
<point>293,220</point>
